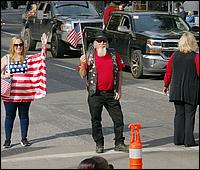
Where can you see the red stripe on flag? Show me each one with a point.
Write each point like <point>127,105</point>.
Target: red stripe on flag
<point>75,36</point>
<point>32,84</point>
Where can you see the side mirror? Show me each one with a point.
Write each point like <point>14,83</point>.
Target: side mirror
<point>195,29</point>
<point>123,29</point>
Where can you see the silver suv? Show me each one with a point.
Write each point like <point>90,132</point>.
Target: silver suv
<point>57,19</point>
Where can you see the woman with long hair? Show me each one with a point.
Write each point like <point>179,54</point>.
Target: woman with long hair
<point>182,74</point>
<point>18,63</point>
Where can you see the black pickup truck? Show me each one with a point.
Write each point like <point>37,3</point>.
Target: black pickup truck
<point>57,19</point>
<point>145,40</point>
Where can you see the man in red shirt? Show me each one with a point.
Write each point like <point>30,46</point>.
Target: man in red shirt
<point>113,6</point>
<point>103,67</point>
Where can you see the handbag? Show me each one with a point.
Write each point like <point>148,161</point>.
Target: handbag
<point>6,82</point>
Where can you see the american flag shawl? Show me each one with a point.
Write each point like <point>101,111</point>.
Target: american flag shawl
<point>31,84</point>
<point>75,35</point>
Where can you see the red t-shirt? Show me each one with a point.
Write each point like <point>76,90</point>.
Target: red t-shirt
<point>104,67</point>
<point>107,13</point>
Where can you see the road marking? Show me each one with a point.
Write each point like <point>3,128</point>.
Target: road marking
<point>9,33</point>
<point>69,68</point>
<point>5,24</point>
<point>92,153</point>
<point>155,91</point>
<point>6,51</point>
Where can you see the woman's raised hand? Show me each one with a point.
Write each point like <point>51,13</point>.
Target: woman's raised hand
<point>44,39</point>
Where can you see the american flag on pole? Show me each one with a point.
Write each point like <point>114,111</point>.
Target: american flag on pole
<point>32,84</point>
<point>75,35</point>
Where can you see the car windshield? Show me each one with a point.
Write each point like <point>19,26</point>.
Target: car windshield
<point>76,9</point>
<point>159,23</point>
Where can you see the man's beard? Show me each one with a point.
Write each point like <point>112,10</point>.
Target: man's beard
<point>101,52</point>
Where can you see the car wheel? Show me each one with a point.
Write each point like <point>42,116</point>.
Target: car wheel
<point>28,42</point>
<point>58,48</point>
<point>136,64</point>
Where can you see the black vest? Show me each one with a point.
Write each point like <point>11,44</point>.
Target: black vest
<point>184,84</point>
<point>92,73</point>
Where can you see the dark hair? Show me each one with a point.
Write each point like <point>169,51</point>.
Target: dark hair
<point>102,163</point>
<point>88,163</point>
<point>95,162</point>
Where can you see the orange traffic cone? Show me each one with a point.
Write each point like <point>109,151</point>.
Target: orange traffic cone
<point>135,148</point>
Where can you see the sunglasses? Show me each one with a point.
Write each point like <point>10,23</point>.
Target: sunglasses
<point>19,45</point>
<point>100,40</point>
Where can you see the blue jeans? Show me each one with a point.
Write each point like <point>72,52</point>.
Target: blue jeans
<point>11,109</point>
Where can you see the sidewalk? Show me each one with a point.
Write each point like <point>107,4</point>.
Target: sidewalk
<point>69,156</point>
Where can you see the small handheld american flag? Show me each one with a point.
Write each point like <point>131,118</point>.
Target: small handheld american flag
<point>75,35</point>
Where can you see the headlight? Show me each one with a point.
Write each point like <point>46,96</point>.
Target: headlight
<point>66,27</point>
<point>153,46</point>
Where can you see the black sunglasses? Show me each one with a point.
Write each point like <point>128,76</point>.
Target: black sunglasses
<point>21,45</point>
<point>100,40</point>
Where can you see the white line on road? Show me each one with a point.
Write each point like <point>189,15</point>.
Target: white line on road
<point>6,51</point>
<point>9,33</point>
<point>155,91</point>
<point>6,24</point>
<point>69,68</point>
<point>92,153</point>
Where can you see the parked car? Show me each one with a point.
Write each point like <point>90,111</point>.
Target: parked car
<point>57,19</point>
<point>145,40</point>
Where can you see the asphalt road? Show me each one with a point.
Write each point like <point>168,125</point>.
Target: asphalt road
<point>60,128</point>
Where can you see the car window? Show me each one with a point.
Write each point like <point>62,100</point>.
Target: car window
<point>41,6</point>
<point>76,9</point>
<point>159,23</point>
<point>47,9</point>
<point>114,22</point>
<point>125,22</point>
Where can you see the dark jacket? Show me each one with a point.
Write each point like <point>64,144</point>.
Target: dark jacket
<point>184,84</point>
<point>182,14</point>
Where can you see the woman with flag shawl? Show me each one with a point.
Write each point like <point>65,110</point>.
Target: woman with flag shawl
<point>27,84</point>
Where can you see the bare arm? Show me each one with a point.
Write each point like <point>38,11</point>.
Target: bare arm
<point>118,93</point>
<point>82,70</point>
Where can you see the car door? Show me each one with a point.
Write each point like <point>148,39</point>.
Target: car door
<point>42,22</point>
<point>111,30</point>
<point>123,38</point>
<point>120,40</point>
<point>45,24</point>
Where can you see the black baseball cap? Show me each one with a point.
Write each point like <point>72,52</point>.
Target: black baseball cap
<point>116,2</point>
<point>100,36</point>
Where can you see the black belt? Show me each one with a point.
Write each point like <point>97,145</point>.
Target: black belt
<point>105,91</point>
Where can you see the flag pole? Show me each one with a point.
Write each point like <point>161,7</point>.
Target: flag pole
<point>83,47</point>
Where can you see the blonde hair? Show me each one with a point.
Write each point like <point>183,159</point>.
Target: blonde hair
<point>12,50</point>
<point>187,43</point>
